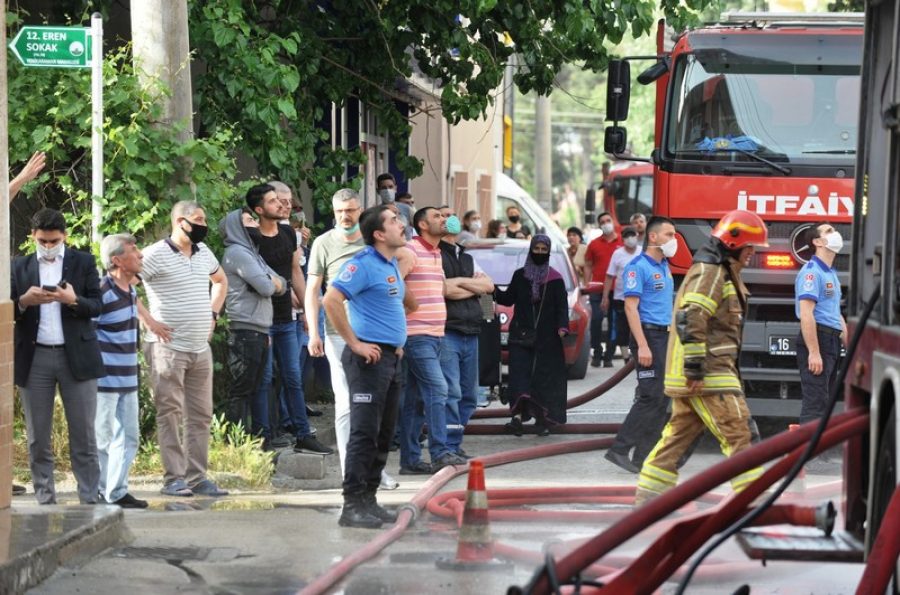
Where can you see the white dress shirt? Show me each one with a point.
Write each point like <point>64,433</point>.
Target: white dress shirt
<point>50,330</point>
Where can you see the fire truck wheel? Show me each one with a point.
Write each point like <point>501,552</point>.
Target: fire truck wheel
<point>885,483</point>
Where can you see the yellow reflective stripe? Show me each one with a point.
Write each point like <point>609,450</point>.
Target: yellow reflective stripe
<point>676,363</point>
<point>741,481</point>
<point>660,474</point>
<point>701,300</point>
<point>694,349</point>
<point>728,289</point>
<point>721,382</point>
<point>652,485</point>
<point>675,381</point>
<point>700,408</point>
<point>723,347</point>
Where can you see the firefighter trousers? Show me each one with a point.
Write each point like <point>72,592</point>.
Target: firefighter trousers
<point>726,416</point>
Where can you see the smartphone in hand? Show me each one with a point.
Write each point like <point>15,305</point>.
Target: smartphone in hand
<point>53,288</point>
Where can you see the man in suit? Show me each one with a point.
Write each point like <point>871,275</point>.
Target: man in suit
<point>56,292</point>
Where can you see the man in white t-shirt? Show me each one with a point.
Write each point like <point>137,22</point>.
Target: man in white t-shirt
<point>619,260</point>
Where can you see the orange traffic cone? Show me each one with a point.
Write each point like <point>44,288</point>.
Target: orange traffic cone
<point>475,548</point>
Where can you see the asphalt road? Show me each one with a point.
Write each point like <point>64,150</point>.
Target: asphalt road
<point>273,543</point>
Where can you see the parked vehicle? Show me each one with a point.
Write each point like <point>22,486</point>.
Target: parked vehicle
<point>510,194</point>
<point>758,112</point>
<point>500,258</point>
<point>628,189</point>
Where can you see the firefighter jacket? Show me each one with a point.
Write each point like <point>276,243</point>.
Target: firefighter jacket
<point>708,320</point>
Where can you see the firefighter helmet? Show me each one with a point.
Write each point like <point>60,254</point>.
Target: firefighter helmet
<point>738,229</point>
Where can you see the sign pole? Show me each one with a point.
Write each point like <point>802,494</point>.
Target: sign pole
<point>96,126</point>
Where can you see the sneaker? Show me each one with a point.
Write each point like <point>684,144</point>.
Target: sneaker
<point>420,468</point>
<point>596,362</point>
<point>607,364</point>
<point>281,441</point>
<point>207,487</point>
<point>178,488</point>
<point>18,490</point>
<point>129,501</point>
<point>387,482</point>
<point>463,454</point>
<point>310,444</point>
<point>621,460</point>
<point>541,430</point>
<point>447,460</point>
<point>312,412</point>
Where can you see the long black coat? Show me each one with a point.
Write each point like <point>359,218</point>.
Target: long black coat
<point>537,376</point>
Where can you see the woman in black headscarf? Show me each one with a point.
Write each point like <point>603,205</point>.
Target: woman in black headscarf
<point>537,364</point>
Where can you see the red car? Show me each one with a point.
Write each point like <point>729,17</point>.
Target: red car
<point>500,258</point>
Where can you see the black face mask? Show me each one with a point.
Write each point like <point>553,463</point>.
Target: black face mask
<point>514,218</point>
<point>197,233</point>
<point>540,259</point>
<point>255,234</point>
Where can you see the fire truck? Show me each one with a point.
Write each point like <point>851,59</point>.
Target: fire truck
<point>757,112</point>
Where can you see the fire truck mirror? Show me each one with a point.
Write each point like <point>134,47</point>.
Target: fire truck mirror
<point>590,200</point>
<point>618,90</point>
<point>654,72</point>
<point>614,139</point>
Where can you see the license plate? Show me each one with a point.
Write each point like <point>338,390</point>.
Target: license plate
<point>504,338</point>
<point>782,345</point>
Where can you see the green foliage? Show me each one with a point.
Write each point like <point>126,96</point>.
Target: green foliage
<point>236,459</point>
<point>274,67</point>
<point>146,167</point>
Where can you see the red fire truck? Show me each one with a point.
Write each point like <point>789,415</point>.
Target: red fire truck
<point>758,112</point>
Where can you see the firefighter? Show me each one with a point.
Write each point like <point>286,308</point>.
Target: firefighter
<point>702,360</point>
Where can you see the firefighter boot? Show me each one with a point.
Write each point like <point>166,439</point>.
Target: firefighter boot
<point>357,514</point>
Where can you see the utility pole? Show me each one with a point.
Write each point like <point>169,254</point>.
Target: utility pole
<point>6,304</point>
<point>542,151</point>
<point>159,32</point>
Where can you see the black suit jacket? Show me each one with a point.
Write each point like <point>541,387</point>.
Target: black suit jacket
<point>79,329</point>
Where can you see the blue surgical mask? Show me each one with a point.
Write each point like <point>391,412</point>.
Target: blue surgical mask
<point>454,226</point>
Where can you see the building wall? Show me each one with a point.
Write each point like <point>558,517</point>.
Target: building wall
<point>461,160</point>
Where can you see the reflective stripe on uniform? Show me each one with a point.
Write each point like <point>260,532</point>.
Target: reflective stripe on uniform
<point>721,382</point>
<point>701,300</point>
<point>652,485</point>
<point>728,289</point>
<point>741,481</point>
<point>694,349</point>
<point>709,421</point>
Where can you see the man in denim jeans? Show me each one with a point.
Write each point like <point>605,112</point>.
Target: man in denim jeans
<point>465,283</point>
<point>421,265</point>
<point>279,249</point>
<point>116,424</point>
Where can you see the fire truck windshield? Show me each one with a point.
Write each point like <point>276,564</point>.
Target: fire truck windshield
<point>734,103</point>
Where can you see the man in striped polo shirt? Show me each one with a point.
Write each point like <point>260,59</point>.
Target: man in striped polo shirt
<point>177,273</point>
<point>422,267</point>
<point>116,424</point>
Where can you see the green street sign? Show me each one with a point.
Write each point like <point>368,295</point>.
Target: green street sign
<point>53,47</point>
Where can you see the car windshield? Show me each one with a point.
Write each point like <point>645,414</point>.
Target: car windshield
<point>501,261</point>
<point>796,100</point>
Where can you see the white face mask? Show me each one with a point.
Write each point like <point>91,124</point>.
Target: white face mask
<point>49,253</point>
<point>501,236</point>
<point>669,248</point>
<point>607,228</point>
<point>630,242</point>
<point>475,226</point>
<point>834,241</point>
<point>387,195</point>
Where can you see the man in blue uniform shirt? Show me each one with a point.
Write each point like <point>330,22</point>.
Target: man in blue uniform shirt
<point>649,292</point>
<point>374,332</point>
<point>818,306</point>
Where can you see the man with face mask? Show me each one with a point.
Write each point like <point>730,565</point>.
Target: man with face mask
<point>647,290</point>
<point>701,373</point>
<point>56,293</point>
<point>596,262</point>
<point>822,328</point>
<point>177,274</point>
<point>615,285</point>
<point>251,284</point>
<point>387,191</point>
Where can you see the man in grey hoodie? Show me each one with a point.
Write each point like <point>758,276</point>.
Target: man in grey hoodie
<point>251,284</point>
